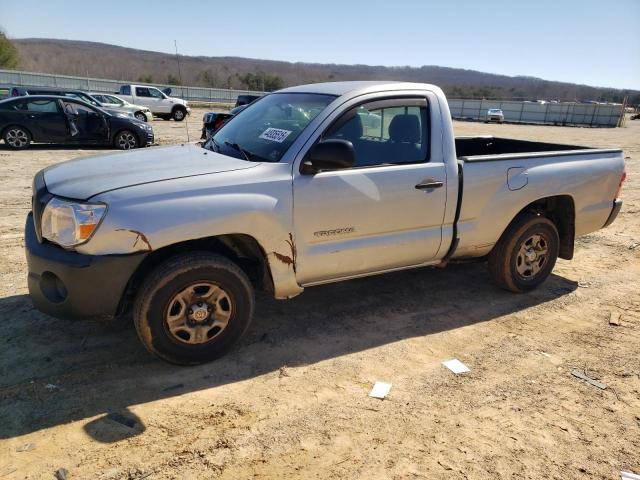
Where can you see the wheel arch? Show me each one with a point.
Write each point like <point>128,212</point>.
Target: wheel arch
<point>242,249</point>
<point>560,209</point>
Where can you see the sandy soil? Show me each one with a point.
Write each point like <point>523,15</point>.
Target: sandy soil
<point>291,400</point>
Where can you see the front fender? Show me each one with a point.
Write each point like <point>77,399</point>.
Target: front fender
<point>157,215</point>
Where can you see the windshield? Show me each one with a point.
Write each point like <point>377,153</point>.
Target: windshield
<point>265,130</point>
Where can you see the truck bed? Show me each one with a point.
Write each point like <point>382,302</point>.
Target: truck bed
<point>488,148</point>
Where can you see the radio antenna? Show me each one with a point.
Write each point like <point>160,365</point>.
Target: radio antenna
<point>186,122</point>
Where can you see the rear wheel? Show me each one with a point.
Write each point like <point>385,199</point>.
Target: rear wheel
<point>17,138</point>
<point>193,308</point>
<point>526,253</point>
<point>126,140</point>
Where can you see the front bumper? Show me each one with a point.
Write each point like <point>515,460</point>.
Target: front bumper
<point>615,209</point>
<point>67,284</point>
<point>148,138</point>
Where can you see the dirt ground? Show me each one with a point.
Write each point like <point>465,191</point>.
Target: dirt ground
<point>291,400</point>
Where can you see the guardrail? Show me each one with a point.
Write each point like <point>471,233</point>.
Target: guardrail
<point>203,94</point>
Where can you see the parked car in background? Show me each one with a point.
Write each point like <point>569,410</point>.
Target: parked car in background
<point>495,115</point>
<point>65,92</point>
<point>211,122</point>
<point>107,100</point>
<point>292,193</point>
<point>64,120</point>
<point>246,99</point>
<point>160,104</point>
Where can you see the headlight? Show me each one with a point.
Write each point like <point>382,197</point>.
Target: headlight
<point>70,223</point>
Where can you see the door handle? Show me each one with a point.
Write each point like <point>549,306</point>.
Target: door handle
<point>429,185</point>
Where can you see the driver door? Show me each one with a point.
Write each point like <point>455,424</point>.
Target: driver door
<point>86,125</point>
<point>379,214</point>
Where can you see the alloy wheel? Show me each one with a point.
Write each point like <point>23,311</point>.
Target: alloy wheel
<point>17,138</point>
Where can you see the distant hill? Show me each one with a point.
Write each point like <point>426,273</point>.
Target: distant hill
<point>70,57</point>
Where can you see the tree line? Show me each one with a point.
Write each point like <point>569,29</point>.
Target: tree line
<point>70,57</point>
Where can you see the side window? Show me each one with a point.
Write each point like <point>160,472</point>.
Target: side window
<point>125,90</point>
<point>387,132</point>
<point>155,93</point>
<point>77,109</point>
<point>113,100</point>
<point>45,106</point>
<point>19,106</point>
<point>142,92</point>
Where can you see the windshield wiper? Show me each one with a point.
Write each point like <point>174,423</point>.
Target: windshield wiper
<point>216,147</point>
<point>246,154</point>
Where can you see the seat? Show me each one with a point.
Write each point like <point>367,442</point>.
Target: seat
<point>405,136</point>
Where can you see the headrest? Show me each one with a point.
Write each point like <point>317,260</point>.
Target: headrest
<point>351,130</point>
<point>405,128</point>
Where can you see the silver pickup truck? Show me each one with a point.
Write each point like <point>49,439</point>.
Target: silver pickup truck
<point>309,185</point>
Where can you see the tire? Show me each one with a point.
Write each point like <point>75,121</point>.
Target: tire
<point>141,116</point>
<point>179,114</point>
<point>517,262</point>
<point>126,140</point>
<point>17,137</point>
<point>169,316</point>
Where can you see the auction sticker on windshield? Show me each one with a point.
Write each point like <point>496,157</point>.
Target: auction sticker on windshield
<point>275,134</point>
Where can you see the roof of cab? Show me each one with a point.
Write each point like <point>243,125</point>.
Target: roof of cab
<point>342,88</point>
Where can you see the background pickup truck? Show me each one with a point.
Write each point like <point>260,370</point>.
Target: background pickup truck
<point>311,184</point>
<point>160,104</point>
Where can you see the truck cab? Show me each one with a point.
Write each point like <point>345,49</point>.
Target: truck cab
<point>158,102</point>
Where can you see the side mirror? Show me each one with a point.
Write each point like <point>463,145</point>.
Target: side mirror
<point>328,155</point>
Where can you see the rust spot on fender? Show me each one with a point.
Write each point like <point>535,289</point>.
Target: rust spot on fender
<point>286,259</point>
<point>140,237</point>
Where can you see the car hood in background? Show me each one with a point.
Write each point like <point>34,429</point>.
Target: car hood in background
<point>85,177</point>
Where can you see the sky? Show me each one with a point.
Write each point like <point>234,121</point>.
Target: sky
<point>580,41</point>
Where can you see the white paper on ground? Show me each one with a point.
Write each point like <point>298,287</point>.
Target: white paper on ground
<point>456,366</point>
<point>629,476</point>
<point>380,390</point>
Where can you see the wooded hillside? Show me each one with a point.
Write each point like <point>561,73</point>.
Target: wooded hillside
<point>99,60</point>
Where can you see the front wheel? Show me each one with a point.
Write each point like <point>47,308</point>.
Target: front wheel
<point>526,253</point>
<point>17,138</point>
<point>179,114</point>
<point>141,116</point>
<point>126,140</point>
<point>193,308</point>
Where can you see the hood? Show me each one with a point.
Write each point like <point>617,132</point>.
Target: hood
<point>85,177</point>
